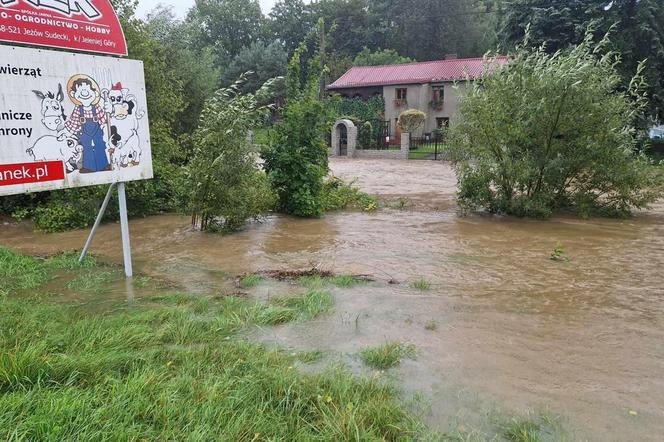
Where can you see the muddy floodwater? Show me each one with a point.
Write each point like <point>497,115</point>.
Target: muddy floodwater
<point>514,331</point>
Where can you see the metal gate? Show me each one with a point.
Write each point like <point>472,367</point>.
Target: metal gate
<point>343,140</point>
<point>373,135</point>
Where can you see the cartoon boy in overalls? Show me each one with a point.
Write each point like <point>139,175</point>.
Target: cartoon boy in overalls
<point>87,122</point>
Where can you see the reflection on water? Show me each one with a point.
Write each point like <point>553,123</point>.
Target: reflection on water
<point>584,339</point>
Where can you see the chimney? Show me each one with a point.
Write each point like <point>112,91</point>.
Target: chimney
<point>451,56</point>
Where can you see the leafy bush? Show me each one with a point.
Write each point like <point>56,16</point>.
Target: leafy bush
<point>228,188</point>
<point>551,132</point>
<point>57,217</point>
<point>296,160</point>
<point>337,195</point>
<point>411,120</point>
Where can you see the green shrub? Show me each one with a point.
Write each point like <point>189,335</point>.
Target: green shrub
<point>228,188</point>
<point>296,159</point>
<point>546,133</point>
<point>58,216</point>
<point>337,195</point>
<point>411,120</point>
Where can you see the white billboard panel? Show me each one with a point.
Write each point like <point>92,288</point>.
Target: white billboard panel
<point>70,120</point>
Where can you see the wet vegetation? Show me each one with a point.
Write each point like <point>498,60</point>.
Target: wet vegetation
<point>170,367</point>
<point>293,308</point>
<point>530,428</point>
<point>421,284</point>
<point>250,281</point>
<point>342,281</point>
<point>309,357</point>
<point>530,139</point>
<point>338,195</point>
<point>559,254</point>
<point>387,355</point>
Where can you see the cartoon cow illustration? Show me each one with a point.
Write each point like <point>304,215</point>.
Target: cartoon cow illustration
<point>52,109</point>
<point>124,127</point>
<point>54,148</point>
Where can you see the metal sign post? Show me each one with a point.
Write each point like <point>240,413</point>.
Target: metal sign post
<point>124,227</point>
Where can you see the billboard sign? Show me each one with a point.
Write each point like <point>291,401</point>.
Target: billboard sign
<point>71,120</point>
<point>85,25</point>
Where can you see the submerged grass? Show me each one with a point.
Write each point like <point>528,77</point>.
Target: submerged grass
<point>521,430</point>
<point>251,281</point>
<point>292,308</point>
<point>533,427</point>
<point>172,368</point>
<point>387,355</point>
<point>309,357</point>
<point>342,281</point>
<point>421,284</point>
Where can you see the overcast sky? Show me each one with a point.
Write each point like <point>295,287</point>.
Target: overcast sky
<point>182,6</point>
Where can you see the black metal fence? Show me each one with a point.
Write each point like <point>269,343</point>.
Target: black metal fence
<point>373,135</point>
<point>428,147</point>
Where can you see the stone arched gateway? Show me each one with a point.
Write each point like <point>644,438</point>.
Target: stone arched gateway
<point>344,138</point>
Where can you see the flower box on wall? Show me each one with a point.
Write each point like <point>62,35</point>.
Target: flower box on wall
<point>436,104</point>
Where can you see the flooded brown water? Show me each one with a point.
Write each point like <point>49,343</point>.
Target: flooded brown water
<point>515,331</point>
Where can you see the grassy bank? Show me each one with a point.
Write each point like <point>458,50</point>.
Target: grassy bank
<point>170,367</point>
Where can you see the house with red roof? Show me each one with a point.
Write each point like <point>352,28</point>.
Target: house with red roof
<point>427,86</point>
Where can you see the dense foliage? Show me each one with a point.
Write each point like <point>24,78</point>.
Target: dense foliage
<point>380,57</point>
<point>637,34</point>
<point>228,188</point>
<point>296,160</point>
<point>551,131</point>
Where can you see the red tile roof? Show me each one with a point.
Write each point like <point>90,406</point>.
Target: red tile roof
<point>413,73</point>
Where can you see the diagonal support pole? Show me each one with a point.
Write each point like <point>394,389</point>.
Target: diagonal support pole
<point>100,216</point>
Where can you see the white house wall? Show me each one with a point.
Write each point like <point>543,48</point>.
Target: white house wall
<point>419,96</point>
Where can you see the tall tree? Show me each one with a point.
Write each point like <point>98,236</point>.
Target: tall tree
<point>193,66</point>
<point>289,22</point>
<point>349,21</point>
<point>263,61</point>
<point>430,29</point>
<point>636,28</point>
<point>228,25</point>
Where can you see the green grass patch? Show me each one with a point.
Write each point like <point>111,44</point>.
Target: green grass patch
<point>250,281</point>
<point>521,430</point>
<point>19,272</point>
<point>294,308</point>
<point>309,357</point>
<point>342,281</point>
<point>347,281</point>
<point>173,367</point>
<point>312,282</point>
<point>94,281</point>
<point>387,355</point>
<point>533,427</point>
<point>421,284</point>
